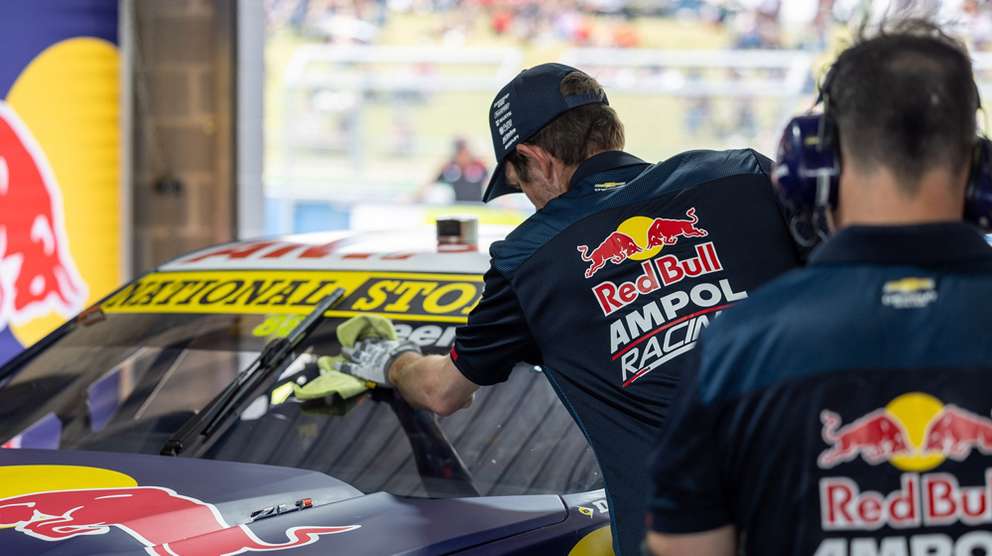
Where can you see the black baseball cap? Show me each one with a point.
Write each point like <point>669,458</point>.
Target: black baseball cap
<point>522,108</point>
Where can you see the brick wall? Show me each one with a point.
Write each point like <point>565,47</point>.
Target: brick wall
<point>182,163</point>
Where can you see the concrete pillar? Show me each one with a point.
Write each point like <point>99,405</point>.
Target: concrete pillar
<point>183,127</point>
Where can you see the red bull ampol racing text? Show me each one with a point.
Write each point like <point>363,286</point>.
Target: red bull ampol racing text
<point>668,325</point>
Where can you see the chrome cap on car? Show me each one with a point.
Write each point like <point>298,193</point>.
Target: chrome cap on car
<point>458,233</point>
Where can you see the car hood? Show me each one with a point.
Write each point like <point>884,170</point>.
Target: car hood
<point>74,502</point>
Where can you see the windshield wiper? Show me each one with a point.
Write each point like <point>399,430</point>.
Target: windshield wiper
<point>196,433</point>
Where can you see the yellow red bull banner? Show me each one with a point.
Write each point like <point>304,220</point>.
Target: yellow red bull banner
<point>402,296</point>
<point>60,223</point>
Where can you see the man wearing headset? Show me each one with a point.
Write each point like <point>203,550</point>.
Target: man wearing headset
<point>845,408</point>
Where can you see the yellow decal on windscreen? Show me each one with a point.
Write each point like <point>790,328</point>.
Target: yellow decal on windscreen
<point>405,296</point>
<point>277,326</point>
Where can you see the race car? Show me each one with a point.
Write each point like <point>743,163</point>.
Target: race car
<point>177,416</point>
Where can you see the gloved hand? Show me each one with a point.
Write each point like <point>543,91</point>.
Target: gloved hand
<point>369,346</point>
<point>364,327</point>
<point>370,359</point>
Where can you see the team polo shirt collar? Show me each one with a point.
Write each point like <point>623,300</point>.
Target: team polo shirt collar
<point>597,164</point>
<point>918,245</point>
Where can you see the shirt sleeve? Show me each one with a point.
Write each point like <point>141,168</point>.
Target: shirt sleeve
<point>496,337</point>
<point>689,494</point>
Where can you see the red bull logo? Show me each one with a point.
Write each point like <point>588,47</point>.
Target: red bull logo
<point>876,437</point>
<point>915,432</point>
<point>37,273</point>
<point>640,238</point>
<point>59,142</point>
<point>616,248</point>
<point>667,231</point>
<point>166,523</point>
<point>957,431</point>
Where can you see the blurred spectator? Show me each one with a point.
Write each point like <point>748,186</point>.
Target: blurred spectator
<point>697,115</point>
<point>977,19</point>
<point>383,108</point>
<point>464,172</point>
<point>756,23</point>
<point>500,21</point>
<point>625,36</point>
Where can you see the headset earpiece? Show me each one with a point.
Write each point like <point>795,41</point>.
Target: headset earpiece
<point>807,169</point>
<point>808,165</point>
<point>804,161</point>
<point>978,195</point>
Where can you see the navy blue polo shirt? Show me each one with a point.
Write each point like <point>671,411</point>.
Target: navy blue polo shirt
<point>609,286</point>
<point>846,407</point>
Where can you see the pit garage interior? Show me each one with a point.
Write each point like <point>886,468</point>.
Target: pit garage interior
<point>146,144</point>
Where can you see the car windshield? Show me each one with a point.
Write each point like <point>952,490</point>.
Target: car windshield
<point>125,382</point>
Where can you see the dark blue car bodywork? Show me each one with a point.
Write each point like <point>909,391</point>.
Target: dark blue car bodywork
<point>538,524</point>
<point>224,505</point>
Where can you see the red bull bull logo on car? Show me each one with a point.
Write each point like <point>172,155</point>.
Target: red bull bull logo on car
<point>37,273</point>
<point>914,433</point>
<point>640,238</point>
<point>166,523</point>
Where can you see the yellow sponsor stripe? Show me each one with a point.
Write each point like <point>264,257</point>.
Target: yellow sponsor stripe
<point>402,316</point>
<point>410,296</point>
<point>363,274</point>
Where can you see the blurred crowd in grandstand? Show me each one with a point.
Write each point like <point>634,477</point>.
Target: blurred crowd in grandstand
<point>411,123</point>
<point>754,23</point>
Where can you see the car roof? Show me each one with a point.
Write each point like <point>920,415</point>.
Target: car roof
<point>411,250</point>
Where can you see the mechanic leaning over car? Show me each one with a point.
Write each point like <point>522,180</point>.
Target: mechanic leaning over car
<point>845,407</point>
<point>608,285</point>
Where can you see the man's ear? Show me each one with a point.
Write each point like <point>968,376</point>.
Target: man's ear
<point>538,156</point>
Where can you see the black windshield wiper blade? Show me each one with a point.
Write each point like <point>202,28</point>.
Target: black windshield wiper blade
<point>196,432</point>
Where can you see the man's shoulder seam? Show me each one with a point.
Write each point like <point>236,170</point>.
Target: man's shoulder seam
<point>757,159</point>
<point>558,229</point>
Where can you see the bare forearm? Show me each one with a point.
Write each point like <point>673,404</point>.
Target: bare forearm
<point>430,382</point>
<point>411,375</point>
<point>718,542</point>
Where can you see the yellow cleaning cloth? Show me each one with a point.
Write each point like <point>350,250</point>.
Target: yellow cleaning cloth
<point>281,394</point>
<point>330,382</point>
